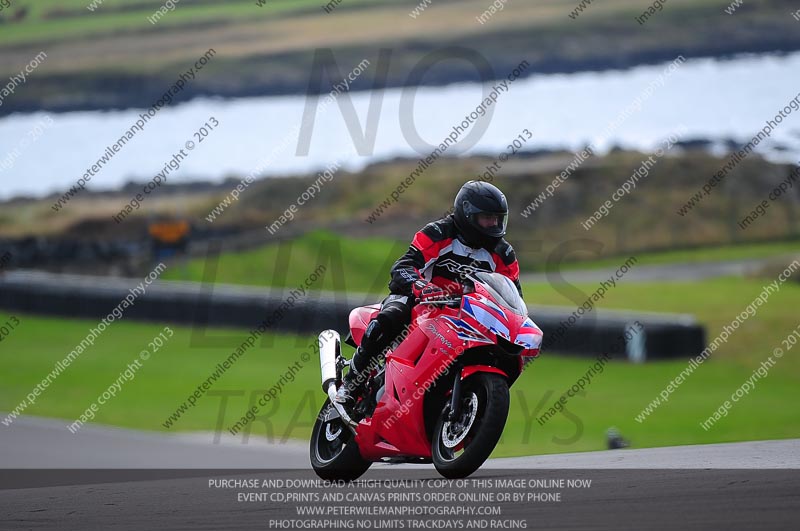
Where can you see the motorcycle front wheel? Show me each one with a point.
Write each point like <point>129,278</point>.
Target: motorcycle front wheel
<point>460,447</point>
<point>334,453</point>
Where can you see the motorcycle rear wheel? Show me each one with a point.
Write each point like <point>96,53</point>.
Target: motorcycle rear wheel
<point>334,453</point>
<point>459,448</point>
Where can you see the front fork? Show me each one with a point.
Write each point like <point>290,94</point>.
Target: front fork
<point>455,397</point>
<point>463,374</point>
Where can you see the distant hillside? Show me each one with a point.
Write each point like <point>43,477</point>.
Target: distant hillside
<point>645,219</point>
<point>113,57</point>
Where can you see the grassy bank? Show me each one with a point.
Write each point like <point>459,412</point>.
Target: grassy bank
<point>722,253</point>
<point>715,303</point>
<point>363,264</point>
<point>614,398</point>
<point>645,224</point>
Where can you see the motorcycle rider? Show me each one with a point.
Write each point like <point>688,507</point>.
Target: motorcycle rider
<point>469,239</point>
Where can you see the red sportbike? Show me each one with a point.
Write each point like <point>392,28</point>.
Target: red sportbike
<point>440,396</point>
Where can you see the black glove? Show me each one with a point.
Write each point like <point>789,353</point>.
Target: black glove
<point>426,291</point>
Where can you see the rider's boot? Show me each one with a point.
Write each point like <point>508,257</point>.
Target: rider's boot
<point>352,384</point>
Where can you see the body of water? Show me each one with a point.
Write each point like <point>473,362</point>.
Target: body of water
<point>706,99</point>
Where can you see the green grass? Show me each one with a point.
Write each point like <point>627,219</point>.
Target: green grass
<point>353,265</point>
<point>362,265</point>
<point>705,254</point>
<point>73,20</point>
<point>160,386</point>
<point>614,397</point>
<point>715,303</point>
<point>54,20</point>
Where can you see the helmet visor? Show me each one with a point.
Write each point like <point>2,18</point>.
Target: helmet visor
<point>489,223</point>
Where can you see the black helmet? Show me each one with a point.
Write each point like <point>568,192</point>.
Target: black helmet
<point>479,197</point>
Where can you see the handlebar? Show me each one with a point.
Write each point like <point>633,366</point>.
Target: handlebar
<point>454,301</point>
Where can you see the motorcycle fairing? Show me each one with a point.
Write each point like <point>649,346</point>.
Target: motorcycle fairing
<point>465,331</point>
<point>436,339</point>
<point>489,317</point>
<point>529,335</point>
<point>359,320</point>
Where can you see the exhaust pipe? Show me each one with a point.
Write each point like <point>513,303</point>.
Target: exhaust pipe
<point>330,352</point>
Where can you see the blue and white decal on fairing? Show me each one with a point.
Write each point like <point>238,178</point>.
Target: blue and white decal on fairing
<point>464,331</point>
<point>493,306</point>
<point>528,336</point>
<point>488,320</point>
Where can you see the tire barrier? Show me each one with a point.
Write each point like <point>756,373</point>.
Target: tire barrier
<point>637,336</point>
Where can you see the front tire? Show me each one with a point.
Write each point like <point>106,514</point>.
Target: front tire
<point>334,453</point>
<point>459,448</point>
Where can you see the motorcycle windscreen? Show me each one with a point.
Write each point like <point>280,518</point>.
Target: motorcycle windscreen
<point>502,289</point>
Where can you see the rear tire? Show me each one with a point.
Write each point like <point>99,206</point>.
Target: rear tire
<point>459,448</point>
<point>334,454</point>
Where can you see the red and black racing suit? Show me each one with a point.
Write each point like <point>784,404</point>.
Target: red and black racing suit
<point>436,255</point>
